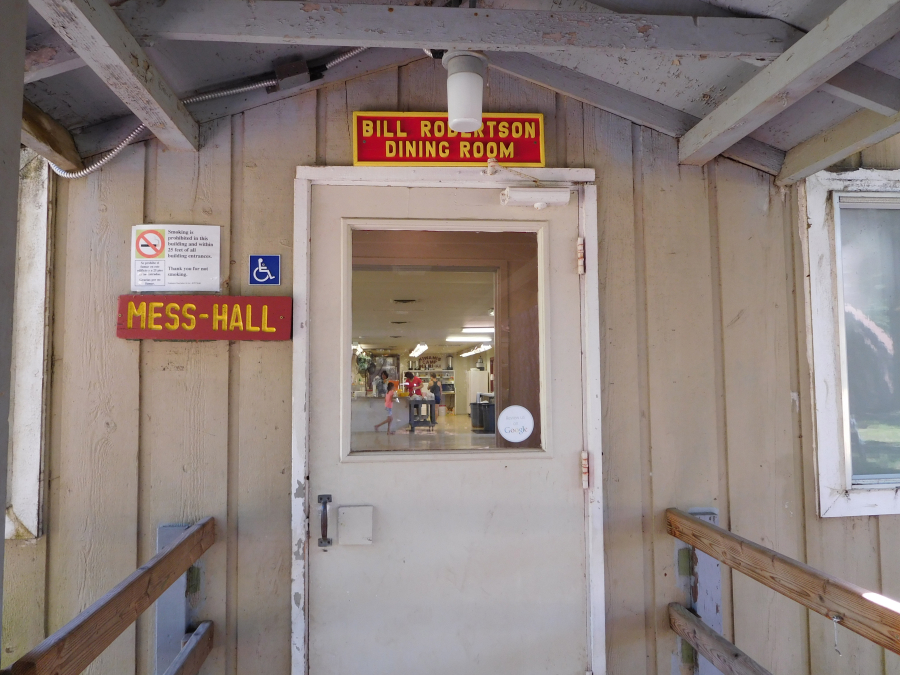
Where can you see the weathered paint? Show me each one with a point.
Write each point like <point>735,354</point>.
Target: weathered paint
<point>12,47</point>
<point>269,22</point>
<point>653,305</point>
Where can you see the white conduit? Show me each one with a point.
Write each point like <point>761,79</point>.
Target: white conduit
<point>81,173</point>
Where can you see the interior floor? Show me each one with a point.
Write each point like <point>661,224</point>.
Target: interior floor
<point>452,432</point>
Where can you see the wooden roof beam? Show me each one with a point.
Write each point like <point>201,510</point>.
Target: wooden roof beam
<point>855,133</point>
<point>361,25</point>
<point>47,55</point>
<point>105,136</point>
<point>95,32</point>
<point>866,87</point>
<point>852,30</point>
<point>49,138</point>
<point>624,103</point>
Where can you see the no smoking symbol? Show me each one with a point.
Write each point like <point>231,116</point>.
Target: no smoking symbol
<point>150,244</point>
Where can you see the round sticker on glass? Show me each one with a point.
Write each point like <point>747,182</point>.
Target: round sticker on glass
<point>515,424</point>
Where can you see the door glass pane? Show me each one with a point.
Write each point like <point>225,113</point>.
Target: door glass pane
<point>444,339</point>
<point>870,255</point>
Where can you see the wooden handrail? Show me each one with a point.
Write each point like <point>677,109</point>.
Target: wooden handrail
<point>73,647</point>
<point>194,653</point>
<point>720,652</point>
<point>869,614</point>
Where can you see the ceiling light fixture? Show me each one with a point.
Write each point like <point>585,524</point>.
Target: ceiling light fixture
<point>476,350</point>
<point>420,349</point>
<point>465,88</point>
<point>470,338</point>
<point>484,329</point>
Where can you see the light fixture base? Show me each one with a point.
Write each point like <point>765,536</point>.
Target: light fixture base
<point>478,64</point>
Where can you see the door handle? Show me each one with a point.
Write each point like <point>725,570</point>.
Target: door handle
<point>324,501</point>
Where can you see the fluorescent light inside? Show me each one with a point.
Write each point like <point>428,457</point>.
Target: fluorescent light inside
<point>420,349</point>
<point>478,330</point>
<point>476,350</point>
<point>470,338</point>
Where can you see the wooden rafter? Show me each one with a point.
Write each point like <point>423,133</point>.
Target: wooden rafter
<point>276,22</point>
<point>106,135</point>
<point>627,104</point>
<point>854,29</point>
<point>48,54</point>
<point>95,32</point>
<point>866,87</point>
<point>859,84</point>
<point>49,138</point>
<point>855,133</point>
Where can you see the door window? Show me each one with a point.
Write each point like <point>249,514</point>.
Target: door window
<point>445,341</point>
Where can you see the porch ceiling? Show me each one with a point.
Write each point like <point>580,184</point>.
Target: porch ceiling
<point>684,71</point>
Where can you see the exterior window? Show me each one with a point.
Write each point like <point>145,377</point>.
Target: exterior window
<point>869,277</point>
<point>853,276</point>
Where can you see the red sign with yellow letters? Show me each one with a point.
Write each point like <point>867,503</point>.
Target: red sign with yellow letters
<point>204,317</point>
<point>424,139</point>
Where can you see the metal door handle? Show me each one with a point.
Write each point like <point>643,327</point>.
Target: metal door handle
<point>324,501</point>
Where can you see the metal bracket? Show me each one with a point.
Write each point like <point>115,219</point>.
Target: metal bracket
<point>171,607</point>
<point>706,588</point>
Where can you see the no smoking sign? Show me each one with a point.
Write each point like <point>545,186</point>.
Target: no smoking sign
<point>183,258</point>
<point>150,244</point>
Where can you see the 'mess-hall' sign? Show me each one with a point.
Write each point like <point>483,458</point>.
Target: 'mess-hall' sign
<point>204,317</point>
<point>424,139</point>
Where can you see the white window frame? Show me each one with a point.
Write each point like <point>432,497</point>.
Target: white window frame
<point>30,352</point>
<point>838,495</point>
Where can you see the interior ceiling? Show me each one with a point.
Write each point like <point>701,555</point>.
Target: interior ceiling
<point>78,98</point>
<point>445,303</point>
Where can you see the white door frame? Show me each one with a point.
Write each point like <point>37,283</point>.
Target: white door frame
<point>581,180</point>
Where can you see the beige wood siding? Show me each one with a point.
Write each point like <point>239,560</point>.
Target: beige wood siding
<point>705,387</point>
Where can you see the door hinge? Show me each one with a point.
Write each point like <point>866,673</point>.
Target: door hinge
<point>580,250</point>
<point>585,470</point>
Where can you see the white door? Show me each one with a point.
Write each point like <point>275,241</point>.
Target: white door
<point>477,559</point>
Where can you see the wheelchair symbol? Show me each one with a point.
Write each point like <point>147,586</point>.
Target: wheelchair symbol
<point>262,274</point>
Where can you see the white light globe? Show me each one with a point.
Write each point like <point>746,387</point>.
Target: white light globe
<point>464,98</point>
<point>465,87</point>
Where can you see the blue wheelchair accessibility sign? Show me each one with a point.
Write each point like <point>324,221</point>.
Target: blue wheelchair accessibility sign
<point>265,270</point>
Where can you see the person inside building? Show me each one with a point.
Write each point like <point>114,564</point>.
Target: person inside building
<point>379,383</point>
<point>388,408</point>
<point>414,387</point>
<point>435,388</point>
<point>413,384</point>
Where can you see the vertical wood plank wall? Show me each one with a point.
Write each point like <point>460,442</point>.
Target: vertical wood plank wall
<point>705,388</point>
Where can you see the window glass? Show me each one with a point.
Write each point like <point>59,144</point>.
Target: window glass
<point>444,340</point>
<point>870,278</point>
